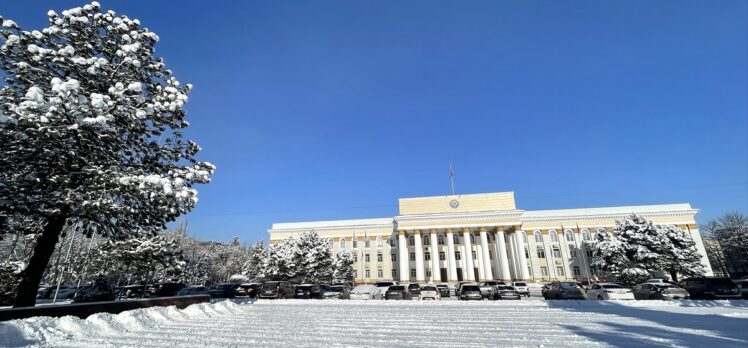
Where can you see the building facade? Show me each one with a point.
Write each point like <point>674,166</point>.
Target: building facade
<point>478,237</point>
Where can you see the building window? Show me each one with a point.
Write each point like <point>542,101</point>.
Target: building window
<point>367,244</point>
<point>393,257</point>
<point>458,256</point>
<point>412,272</point>
<point>589,253</point>
<point>355,243</point>
<point>569,236</point>
<point>393,242</point>
<point>355,257</point>
<point>541,254</point>
<point>427,256</point>
<point>380,243</point>
<point>556,252</point>
<point>394,273</point>
<point>380,274</point>
<point>572,252</point>
<point>367,273</point>
<point>426,240</point>
<point>428,273</point>
<point>586,235</point>
<point>475,256</point>
<point>527,253</point>
<point>440,240</point>
<point>366,258</point>
<point>489,238</point>
<point>355,274</point>
<point>456,238</point>
<point>379,257</point>
<point>342,243</point>
<point>490,254</point>
<point>554,236</point>
<point>412,256</point>
<point>538,237</point>
<point>576,271</point>
<point>411,240</point>
<point>560,270</point>
<point>442,256</point>
<point>544,271</point>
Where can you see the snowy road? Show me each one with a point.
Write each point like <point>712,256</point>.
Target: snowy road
<point>292,323</point>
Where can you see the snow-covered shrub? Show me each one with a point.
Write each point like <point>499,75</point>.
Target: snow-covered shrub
<point>633,276</point>
<point>9,277</point>
<point>238,279</point>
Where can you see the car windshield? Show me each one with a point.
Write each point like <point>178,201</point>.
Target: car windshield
<point>520,284</point>
<point>304,287</point>
<point>722,282</point>
<point>336,289</point>
<point>568,286</point>
<point>397,288</point>
<point>664,285</point>
<point>413,286</point>
<point>270,286</point>
<point>380,284</point>
<point>470,288</point>
<point>428,288</point>
<point>505,287</point>
<point>361,290</point>
<point>611,286</point>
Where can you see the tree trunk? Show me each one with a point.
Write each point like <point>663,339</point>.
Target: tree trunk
<point>32,275</point>
<point>674,276</point>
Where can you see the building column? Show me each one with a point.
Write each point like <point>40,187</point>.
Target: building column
<point>502,258</point>
<point>521,258</point>
<point>486,257</point>
<point>419,257</point>
<point>452,262</point>
<point>469,254</point>
<point>402,248</point>
<point>436,271</point>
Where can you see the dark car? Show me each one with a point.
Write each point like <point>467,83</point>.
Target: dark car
<point>398,292</point>
<point>659,291</point>
<point>710,288</point>
<point>507,292</point>
<point>742,284</point>
<point>250,290</point>
<point>443,290</point>
<point>309,291</point>
<point>470,292</point>
<point>168,289</point>
<point>276,290</point>
<point>226,290</point>
<point>99,290</point>
<point>414,289</point>
<point>132,291</point>
<point>194,290</point>
<point>563,291</point>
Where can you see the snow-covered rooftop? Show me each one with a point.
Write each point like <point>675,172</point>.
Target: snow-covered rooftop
<point>333,223</point>
<point>609,210</point>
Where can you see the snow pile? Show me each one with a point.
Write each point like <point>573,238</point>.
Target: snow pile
<point>69,329</point>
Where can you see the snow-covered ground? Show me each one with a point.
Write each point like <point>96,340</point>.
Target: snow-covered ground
<point>293,323</point>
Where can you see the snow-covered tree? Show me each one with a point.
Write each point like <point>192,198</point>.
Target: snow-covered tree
<point>238,279</point>
<point>252,267</point>
<point>314,260</point>
<point>91,129</point>
<point>9,277</point>
<point>680,256</point>
<point>343,267</point>
<point>146,258</point>
<point>278,263</point>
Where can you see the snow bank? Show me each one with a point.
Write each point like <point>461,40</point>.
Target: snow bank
<point>54,331</point>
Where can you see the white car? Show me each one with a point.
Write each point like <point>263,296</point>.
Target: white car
<point>384,285</point>
<point>609,291</point>
<point>429,292</point>
<point>366,292</point>
<point>522,288</point>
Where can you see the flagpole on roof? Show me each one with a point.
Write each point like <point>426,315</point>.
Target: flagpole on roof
<point>452,177</point>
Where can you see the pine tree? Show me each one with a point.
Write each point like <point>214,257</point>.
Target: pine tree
<point>681,256</point>
<point>343,267</point>
<point>91,126</point>
<point>252,267</point>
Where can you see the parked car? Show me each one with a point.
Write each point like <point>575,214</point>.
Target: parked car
<point>609,291</point>
<point>742,284</point>
<point>366,292</point>
<point>470,292</point>
<point>398,292</point>
<point>659,291</point>
<point>429,292</point>
<point>563,291</point>
<point>249,289</point>
<point>133,291</point>
<point>277,290</point>
<point>384,285</point>
<point>521,288</point>
<point>339,292</point>
<point>656,280</point>
<point>309,291</point>
<point>348,286</point>
<point>168,289</point>
<point>66,292</point>
<point>225,290</point>
<point>443,290</point>
<point>535,289</point>
<point>414,289</point>
<point>193,290</point>
<point>99,290</point>
<point>710,288</point>
<point>507,292</point>
<point>487,290</point>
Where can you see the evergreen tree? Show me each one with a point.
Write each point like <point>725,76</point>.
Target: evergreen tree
<point>252,267</point>
<point>343,267</point>
<point>91,128</point>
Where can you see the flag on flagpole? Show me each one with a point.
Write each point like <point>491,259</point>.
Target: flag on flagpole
<point>452,177</point>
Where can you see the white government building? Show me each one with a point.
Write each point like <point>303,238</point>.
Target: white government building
<point>480,237</point>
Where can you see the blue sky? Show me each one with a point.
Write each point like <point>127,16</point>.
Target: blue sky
<point>316,110</point>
